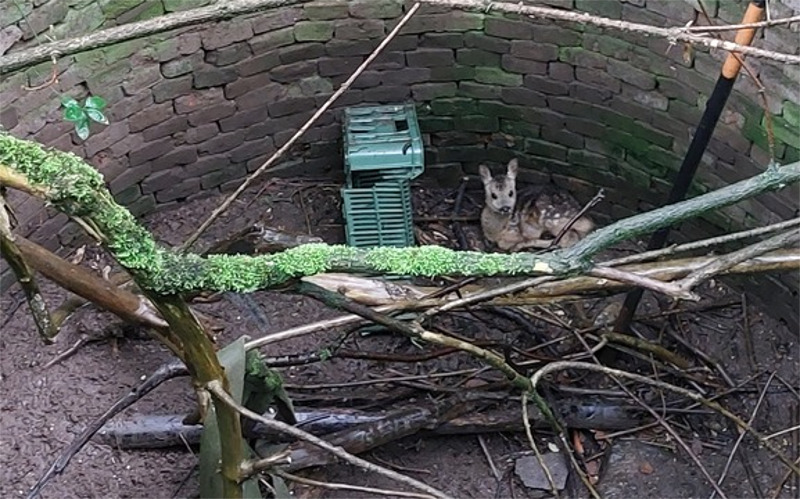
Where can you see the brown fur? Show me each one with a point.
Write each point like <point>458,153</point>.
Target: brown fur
<point>515,221</point>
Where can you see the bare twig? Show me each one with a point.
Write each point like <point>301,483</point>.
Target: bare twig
<point>725,262</point>
<point>666,288</point>
<point>529,433</point>
<point>736,27</point>
<point>345,486</point>
<point>280,152</point>
<point>704,243</point>
<point>219,392</point>
<point>591,204</point>
<point>558,366</point>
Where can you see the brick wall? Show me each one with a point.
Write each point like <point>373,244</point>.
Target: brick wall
<point>194,110</point>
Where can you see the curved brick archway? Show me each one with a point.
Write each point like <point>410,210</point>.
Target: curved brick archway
<point>193,111</point>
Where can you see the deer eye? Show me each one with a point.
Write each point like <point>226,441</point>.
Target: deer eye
<point>494,196</point>
<point>511,194</point>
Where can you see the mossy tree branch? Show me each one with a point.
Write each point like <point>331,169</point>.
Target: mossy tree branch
<point>77,189</point>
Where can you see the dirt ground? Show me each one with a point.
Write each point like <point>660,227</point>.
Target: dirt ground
<point>43,409</point>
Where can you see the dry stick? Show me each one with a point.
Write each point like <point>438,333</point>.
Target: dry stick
<point>345,486</point>
<point>280,152</point>
<point>675,34</point>
<point>558,366</point>
<point>529,433</point>
<point>732,27</point>
<point>220,10</point>
<point>704,243</point>
<point>218,391</point>
<point>591,204</point>
<point>725,262</point>
<point>742,434</point>
<point>667,288</point>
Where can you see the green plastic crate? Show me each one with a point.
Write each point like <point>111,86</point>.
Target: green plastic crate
<point>383,137</point>
<point>382,153</point>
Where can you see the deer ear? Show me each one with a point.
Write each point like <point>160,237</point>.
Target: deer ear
<point>486,175</point>
<point>513,166</point>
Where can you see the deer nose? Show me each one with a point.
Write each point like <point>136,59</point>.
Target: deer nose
<point>505,210</point>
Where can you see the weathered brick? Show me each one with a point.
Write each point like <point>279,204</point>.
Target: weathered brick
<point>206,165</point>
<point>605,8</point>
<point>313,31</point>
<point>176,157</point>
<point>225,33</point>
<point>326,10</point>
<point>677,90</point>
<point>347,48</point>
<point>186,188</point>
<point>288,73</point>
<point>124,146</point>
<point>110,135</point>
<point>185,44</point>
<point>499,109</point>
<point>431,124</point>
<point>442,40</point>
<point>169,89</point>
<point>9,117</point>
<point>581,57</point>
<point>595,77</point>
<point>630,74</point>
<point>251,149</point>
<point>149,151</point>
<point>371,9</point>
<point>430,57</point>
<point>142,78</point>
<point>542,116</point>
<point>522,96</point>
<point>496,76</point>
<point>212,113</point>
<point>686,113</point>
<point>453,107</point>
<point>652,100</point>
<point>536,51</point>
<point>506,28</point>
<point>585,127</point>
<point>278,18</point>
<point>150,116</point>
<point>290,106</point>
<point>454,73</point>
<point>244,118</point>
<point>562,37</point>
<point>358,29</point>
<point>479,90</point>
<point>387,94</point>
<point>221,143</point>
<point>589,93</point>
<point>545,85</point>
<point>197,134</point>
<point>481,41</point>
<point>477,57</point>
<point>211,76</point>
<point>560,71</point>
<point>220,177</point>
<point>430,91</point>
<point>681,12</point>
<point>243,85</point>
<point>129,177</point>
<point>127,196</point>
<point>301,52</point>
<point>198,100</point>
<point>271,40</point>
<point>453,21</point>
<point>172,125</point>
<point>544,148</point>
<point>181,65</point>
<point>147,10</point>
<point>228,55</point>
<point>273,126</point>
<point>523,66</point>
<point>406,76</point>
<point>338,66</point>
<point>258,64</point>
<point>261,96</point>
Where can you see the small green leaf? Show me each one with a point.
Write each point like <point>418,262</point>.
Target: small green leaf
<point>68,101</point>
<point>82,128</point>
<point>74,113</point>
<point>95,102</point>
<point>96,115</point>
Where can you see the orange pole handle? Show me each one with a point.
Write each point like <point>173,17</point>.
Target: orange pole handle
<point>753,14</point>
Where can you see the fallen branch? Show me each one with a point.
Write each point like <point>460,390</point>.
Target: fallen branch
<point>216,389</point>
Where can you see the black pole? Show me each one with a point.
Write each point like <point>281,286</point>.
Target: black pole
<point>705,129</point>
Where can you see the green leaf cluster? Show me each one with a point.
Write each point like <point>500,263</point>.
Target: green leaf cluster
<point>80,115</point>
